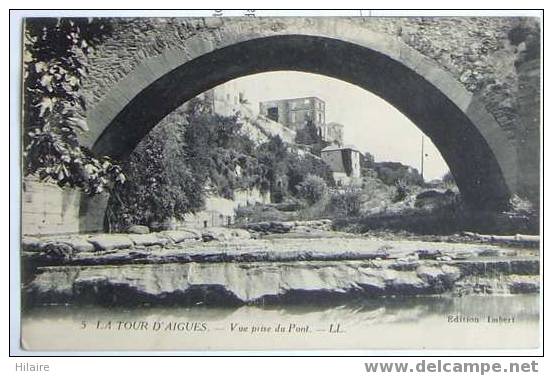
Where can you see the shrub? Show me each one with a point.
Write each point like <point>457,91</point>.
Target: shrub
<point>401,191</point>
<point>346,203</point>
<point>312,189</point>
<point>391,172</point>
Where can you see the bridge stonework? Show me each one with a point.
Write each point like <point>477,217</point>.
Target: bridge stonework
<point>466,82</point>
<point>476,51</point>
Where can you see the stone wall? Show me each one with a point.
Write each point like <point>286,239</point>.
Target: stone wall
<point>527,38</point>
<point>47,209</point>
<point>477,51</point>
<point>528,106</point>
<point>491,58</point>
<point>220,212</point>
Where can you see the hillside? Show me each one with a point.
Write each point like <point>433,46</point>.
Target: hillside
<point>260,129</point>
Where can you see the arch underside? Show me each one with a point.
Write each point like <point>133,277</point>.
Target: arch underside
<point>469,156</point>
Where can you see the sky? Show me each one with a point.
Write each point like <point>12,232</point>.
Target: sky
<point>370,123</point>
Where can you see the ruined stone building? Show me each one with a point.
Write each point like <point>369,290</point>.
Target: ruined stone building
<point>332,133</point>
<point>345,163</point>
<point>225,100</point>
<point>295,112</point>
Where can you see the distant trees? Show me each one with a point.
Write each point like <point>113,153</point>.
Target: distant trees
<point>448,178</point>
<point>284,169</point>
<point>367,163</point>
<point>273,157</point>
<point>392,172</point>
<point>401,191</point>
<point>299,167</point>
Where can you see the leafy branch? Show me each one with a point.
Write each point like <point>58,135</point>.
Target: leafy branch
<point>55,55</point>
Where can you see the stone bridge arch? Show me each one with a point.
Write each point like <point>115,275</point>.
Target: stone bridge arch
<point>476,148</point>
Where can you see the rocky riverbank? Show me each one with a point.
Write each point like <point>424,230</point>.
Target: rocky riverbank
<point>261,283</point>
<point>189,268</point>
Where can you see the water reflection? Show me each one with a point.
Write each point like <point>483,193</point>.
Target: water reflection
<point>385,309</point>
<point>377,323</point>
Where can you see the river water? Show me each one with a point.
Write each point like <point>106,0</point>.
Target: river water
<point>436,322</point>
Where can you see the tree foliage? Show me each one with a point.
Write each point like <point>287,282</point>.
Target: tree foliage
<point>196,153</point>
<point>448,178</point>
<point>312,189</point>
<point>394,172</point>
<point>346,202</point>
<point>179,164</point>
<point>55,52</point>
<point>221,154</point>
<point>159,186</point>
<point>309,135</point>
<point>285,169</point>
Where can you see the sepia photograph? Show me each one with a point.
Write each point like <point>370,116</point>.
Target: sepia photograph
<point>280,183</point>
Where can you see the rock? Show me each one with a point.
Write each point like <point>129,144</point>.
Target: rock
<point>504,266</point>
<point>525,267</point>
<point>488,253</point>
<point>425,254</point>
<point>259,227</point>
<point>406,283</point>
<point>55,251</point>
<point>138,229</point>
<point>216,234</point>
<point>264,226</point>
<point>209,236</point>
<point>179,236</point>
<point>197,233</point>
<point>439,278</point>
<point>405,264</point>
<point>461,255</point>
<point>108,242</point>
<point>451,274</point>
<point>433,198</point>
<point>168,226</point>
<point>430,274</point>
<point>30,244</point>
<point>240,234</point>
<point>220,280</point>
<point>148,239</point>
<point>224,234</point>
<point>79,244</point>
<point>524,285</point>
<point>281,227</point>
<point>220,283</point>
<point>156,226</point>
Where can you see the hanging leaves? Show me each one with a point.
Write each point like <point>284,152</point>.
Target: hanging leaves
<point>55,62</point>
